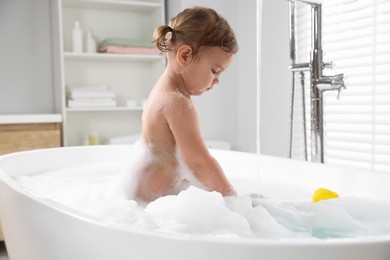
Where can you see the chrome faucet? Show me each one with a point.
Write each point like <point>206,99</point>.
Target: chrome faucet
<point>318,82</point>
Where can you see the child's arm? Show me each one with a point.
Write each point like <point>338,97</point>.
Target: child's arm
<point>183,121</point>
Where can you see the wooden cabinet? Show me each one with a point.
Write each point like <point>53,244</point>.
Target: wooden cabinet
<point>28,132</point>
<point>23,137</point>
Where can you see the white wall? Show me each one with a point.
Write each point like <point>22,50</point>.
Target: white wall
<point>228,112</point>
<point>237,94</point>
<point>217,108</point>
<point>275,79</point>
<point>247,76</point>
<point>25,57</point>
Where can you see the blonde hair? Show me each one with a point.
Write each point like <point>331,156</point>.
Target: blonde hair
<point>198,27</point>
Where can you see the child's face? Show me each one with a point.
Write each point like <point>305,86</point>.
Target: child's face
<point>204,72</point>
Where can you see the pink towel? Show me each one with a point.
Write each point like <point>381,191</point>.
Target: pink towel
<point>129,50</point>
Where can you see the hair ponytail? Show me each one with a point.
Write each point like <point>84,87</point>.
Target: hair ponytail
<point>198,27</point>
<point>162,37</point>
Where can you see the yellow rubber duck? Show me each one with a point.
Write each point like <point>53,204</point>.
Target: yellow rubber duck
<point>324,194</point>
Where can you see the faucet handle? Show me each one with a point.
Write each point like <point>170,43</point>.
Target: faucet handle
<point>338,80</point>
<point>328,65</point>
<point>342,86</point>
<point>338,94</point>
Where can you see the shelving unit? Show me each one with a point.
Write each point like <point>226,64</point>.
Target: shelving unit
<point>70,56</point>
<point>130,76</point>
<point>92,109</point>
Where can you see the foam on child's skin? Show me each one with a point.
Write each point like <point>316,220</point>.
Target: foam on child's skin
<point>132,173</point>
<point>196,211</point>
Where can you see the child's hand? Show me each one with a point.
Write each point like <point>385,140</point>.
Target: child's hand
<point>231,192</point>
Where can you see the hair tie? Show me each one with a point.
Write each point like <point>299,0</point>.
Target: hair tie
<point>170,28</point>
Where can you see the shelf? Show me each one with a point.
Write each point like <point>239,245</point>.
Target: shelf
<point>70,56</point>
<point>131,76</point>
<point>103,109</point>
<point>30,119</point>
<point>120,5</point>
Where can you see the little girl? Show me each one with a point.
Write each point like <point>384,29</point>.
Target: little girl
<point>199,45</point>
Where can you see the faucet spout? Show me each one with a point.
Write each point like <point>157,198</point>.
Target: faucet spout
<point>335,82</point>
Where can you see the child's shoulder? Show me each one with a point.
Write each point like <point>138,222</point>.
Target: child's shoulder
<point>172,98</point>
<point>180,100</point>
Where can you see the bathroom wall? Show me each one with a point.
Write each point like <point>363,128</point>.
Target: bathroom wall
<point>247,76</point>
<point>217,108</point>
<point>228,112</point>
<point>25,57</point>
<point>236,96</point>
<point>275,79</point>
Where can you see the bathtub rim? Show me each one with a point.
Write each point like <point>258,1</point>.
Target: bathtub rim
<point>285,242</point>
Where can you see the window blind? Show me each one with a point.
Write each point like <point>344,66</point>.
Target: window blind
<point>356,36</point>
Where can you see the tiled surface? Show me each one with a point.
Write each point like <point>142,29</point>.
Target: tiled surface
<point>3,252</point>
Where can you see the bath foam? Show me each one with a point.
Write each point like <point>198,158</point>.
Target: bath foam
<point>200,212</point>
<point>136,171</point>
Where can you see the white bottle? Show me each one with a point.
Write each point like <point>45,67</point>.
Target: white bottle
<point>77,38</point>
<point>90,43</point>
<point>85,140</point>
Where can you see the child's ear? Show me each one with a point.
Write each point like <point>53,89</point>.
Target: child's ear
<point>184,55</point>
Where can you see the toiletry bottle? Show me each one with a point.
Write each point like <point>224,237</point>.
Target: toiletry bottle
<point>85,140</point>
<point>90,43</point>
<point>77,38</point>
<point>94,138</point>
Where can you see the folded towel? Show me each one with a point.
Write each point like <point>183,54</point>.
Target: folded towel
<point>91,92</point>
<point>92,100</point>
<point>91,104</point>
<point>125,42</point>
<point>129,50</point>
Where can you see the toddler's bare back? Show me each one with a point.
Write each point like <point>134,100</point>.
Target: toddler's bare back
<point>156,170</point>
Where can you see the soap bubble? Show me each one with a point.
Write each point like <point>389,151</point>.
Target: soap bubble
<point>195,211</point>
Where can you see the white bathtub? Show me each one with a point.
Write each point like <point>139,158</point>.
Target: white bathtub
<point>36,228</point>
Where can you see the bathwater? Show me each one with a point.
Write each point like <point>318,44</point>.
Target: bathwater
<point>284,212</point>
